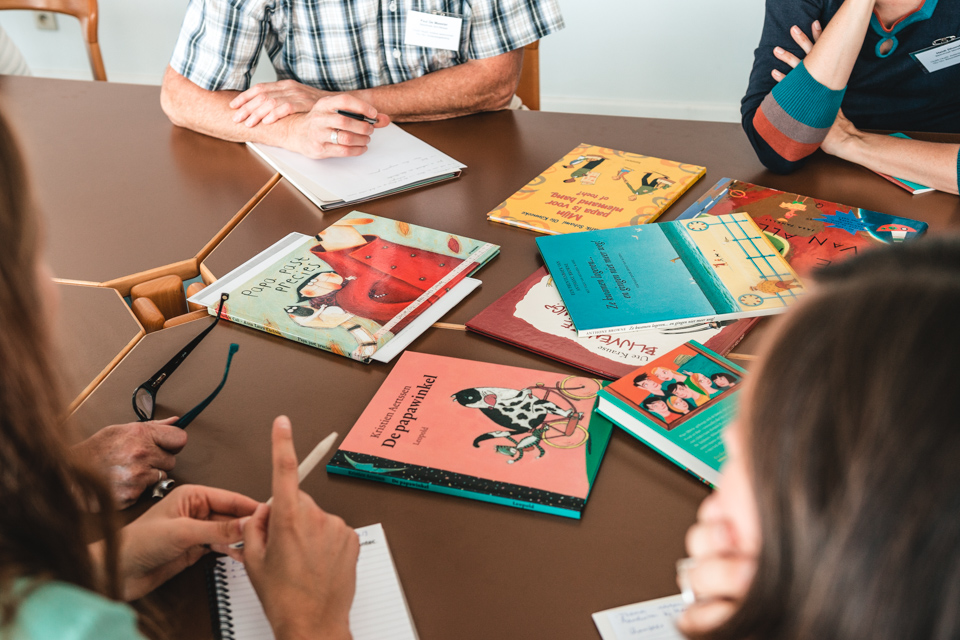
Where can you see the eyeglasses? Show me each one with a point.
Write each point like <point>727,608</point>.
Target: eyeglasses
<point>145,396</point>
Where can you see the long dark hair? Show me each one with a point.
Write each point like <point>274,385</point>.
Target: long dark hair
<point>854,447</point>
<point>50,506</point>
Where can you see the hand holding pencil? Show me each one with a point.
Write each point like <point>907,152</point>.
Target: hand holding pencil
<point>301,560</point>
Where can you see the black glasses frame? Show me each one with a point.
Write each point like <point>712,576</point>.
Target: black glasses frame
<point>151,386</point>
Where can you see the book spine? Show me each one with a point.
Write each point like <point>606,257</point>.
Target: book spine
<point>521,225</point>
<point>454,491</point>
<point>221,611</point>
<point>310,343</point>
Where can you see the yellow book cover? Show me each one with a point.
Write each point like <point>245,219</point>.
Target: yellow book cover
<point>594,188</point>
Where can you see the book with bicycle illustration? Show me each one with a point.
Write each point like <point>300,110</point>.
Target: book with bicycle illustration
<point>669,274</point>
<point>808,232</point>
<point>597,188</point>
<point>364,287</point>
<point>507,435</point>
<point>678,405</point>
<point>532,316</point>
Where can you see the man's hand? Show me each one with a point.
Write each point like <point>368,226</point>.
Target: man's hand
<point>175,533</point>
<point>301,560</point>
<point>719,573</point>
<point>323,133</point>
<point>133,456</point>
<point>269,101</point>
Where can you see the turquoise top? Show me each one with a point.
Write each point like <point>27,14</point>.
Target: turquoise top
<point>62,611</point>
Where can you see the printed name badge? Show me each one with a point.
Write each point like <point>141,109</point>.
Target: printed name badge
<point>432,30</point>
<point>940,56</point>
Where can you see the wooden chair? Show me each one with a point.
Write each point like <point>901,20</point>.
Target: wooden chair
<point>83,10</point>
<point>528,89</point>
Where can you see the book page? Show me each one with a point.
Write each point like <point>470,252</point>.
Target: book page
<point>651,620</point>
<point>394,159</point>
<point>379,610</point>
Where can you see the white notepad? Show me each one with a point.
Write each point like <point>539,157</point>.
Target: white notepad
<point>379,609</point>
<point>650,620</point>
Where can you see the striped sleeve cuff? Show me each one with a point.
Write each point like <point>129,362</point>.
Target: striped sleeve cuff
<point>795,117</point>
<point>958,171</point>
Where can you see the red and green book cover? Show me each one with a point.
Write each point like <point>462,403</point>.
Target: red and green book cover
<point>532,316</point>
<point>808,232</point>
<point>507,435</point>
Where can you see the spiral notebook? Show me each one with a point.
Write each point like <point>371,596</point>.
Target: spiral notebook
<point>379,610</point>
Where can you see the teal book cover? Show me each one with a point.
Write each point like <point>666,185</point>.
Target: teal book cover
<point>355,285</point>
<point>679,404</point>
<point>669,274</point>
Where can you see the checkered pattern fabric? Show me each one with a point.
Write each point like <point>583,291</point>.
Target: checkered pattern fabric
<point>344,45</point>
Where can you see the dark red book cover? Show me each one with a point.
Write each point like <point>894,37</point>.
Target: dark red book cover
<point>532,316</point>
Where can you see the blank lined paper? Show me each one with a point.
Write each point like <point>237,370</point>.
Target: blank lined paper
<point>379,609</point>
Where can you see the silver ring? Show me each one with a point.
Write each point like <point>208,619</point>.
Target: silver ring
<point>684,565</point>
<point>335,136</point>
<point>159,475</point>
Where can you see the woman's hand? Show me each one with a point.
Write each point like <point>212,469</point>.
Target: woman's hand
<point>269,101</point>
<point>717,572</point>
<point>801,39</point>
<point>301,560</point>
<point>175,533</point>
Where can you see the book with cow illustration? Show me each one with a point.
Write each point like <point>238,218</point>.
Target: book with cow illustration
<point>808,232</point>
<point>364,287</point>
<point>678,405</point>
<point>532,316</point>
<point>597,188</point>
<point>669,274</point>
<point>518,437</point>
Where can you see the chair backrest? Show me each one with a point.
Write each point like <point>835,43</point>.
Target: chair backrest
<point>528,89</point>
<point>83,10</point>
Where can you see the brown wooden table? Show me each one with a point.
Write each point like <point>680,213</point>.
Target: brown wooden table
<point>127,196</point>
<point>95,329</point>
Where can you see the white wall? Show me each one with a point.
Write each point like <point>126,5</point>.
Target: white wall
<point>667,59</point>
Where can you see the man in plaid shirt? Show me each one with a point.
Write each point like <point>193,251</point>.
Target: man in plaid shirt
<point>343,54</point>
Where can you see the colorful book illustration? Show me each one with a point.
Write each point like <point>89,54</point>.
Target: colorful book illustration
<point>506,435</point>
<point>597,188</point>
<point>364,287</point>
<point>678,405</point>
<point>810,233</point>
<point>669,274</point>
<point>532,316</point>
<point>650,620</point>
<point>913,187</point>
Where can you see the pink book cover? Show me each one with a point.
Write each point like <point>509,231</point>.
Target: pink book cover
<point>513,436</point>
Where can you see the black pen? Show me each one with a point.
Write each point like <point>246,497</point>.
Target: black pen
<point>357,116</point>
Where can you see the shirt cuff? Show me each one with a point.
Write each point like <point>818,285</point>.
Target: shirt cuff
<point>806,100</point>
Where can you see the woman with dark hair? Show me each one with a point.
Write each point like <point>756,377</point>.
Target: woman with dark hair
<point>866,64</point>
<point>53,586</point>
<point>838,513</point>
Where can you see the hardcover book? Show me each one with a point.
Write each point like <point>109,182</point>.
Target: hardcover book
<point>669,274</point>
<point>678,405</point>
<point>532,316</point>
<point>507,435</point>
<point>364,287</point>
<point>597,188</point>
<point>810,233</point>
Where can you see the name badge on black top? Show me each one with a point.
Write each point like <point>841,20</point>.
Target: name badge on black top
<point>944,53</point>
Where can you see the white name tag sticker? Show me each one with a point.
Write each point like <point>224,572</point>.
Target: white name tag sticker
<point>433,31</point>
<point>941,57</point>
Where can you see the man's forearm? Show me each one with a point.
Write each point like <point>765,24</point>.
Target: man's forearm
<point>476,85</point>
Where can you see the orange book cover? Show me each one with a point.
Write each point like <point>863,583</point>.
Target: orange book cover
<point>594,188</point>
<point>513,436</point>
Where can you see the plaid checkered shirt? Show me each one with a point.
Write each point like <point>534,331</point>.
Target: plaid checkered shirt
<point>344,45</point>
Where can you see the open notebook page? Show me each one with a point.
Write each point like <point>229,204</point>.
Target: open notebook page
<point>651,620</point>
<point>379,609</point>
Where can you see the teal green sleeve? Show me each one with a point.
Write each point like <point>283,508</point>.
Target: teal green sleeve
<point>60,611</point>
<point>958,170</point>
<point>806,100</point>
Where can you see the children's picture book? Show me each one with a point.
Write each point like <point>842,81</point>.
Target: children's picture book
<point>597,188</point>
<point>650,620</point>
<point>395,161</point>
<point>678,405</point>
<point>532,316</point>
<point>364,287</point>
<point>507,435</point>
<point>669,274</point>
<point>810,233</point>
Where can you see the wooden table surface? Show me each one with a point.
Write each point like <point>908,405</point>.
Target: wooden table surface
<point>123,191</point>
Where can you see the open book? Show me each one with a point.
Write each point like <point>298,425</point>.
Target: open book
<point>379,610</point>
<point>651,620</point>
<point>394,161</point>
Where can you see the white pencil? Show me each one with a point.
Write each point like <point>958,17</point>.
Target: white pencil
<point>309,464</point>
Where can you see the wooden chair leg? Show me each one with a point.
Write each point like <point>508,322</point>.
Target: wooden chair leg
<point>148,314</point>
<point>192,290</point>
<point>166,293</point>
